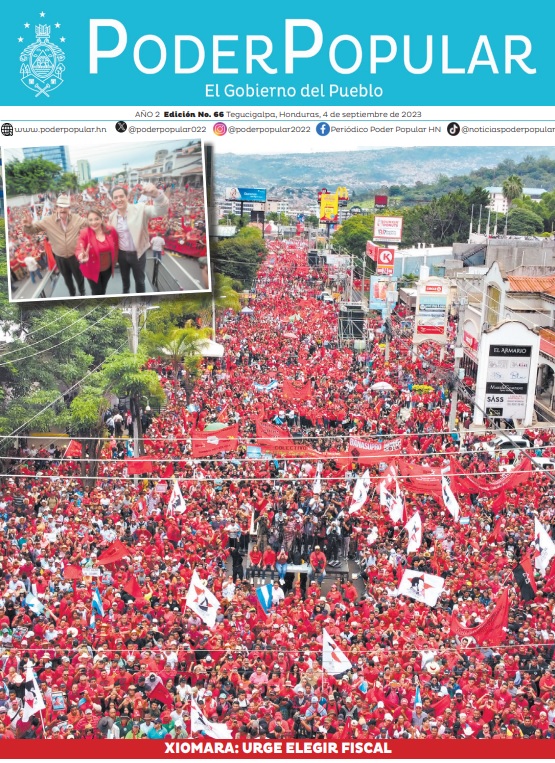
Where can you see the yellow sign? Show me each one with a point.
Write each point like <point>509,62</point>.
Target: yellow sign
<point>342,193</point>
<point>329,208</point>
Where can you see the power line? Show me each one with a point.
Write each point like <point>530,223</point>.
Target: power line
<point>69,339</point>
<point>33,344</point>
<point>61,397</point>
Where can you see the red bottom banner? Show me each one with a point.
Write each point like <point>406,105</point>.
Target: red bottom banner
<point>211,749</point>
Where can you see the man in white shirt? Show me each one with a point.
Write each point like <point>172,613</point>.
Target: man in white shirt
<point>158,244</point>
<point>277,594</point>
<point>131,224</point>
<point>33,267</point>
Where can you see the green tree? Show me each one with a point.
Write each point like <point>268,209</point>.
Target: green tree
<point>522,222</point>
<point>31,176</point>
<point>354,233</point>
<point>126,377</point>
<point>512,189</point>
<point>85,422</point>
<point>68,182</point>
<point>181,347</point>
<point>239,257</point>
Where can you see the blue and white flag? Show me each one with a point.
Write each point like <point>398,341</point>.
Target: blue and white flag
<point>264,596</point>
<point>97,605</point>
<point>266,387</point>
<point>36,606</point>
<point>417,697</point>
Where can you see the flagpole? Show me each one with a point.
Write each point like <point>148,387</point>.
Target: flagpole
<point>42,721</point>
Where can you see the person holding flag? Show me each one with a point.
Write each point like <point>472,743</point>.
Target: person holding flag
<point>33,701</point>
<point>97,608</point>
<point>334,660</point>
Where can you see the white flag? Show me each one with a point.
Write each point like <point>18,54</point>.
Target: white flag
<point>334,661</point>
<point>33,700</point>
<point>451,503</point>
<point>372,536</point>
<point>360,492</point>
<point>414,531</point>
<point>202,601</point>
<point>317,484</point>
<point>391,496</point>
<point>46,209</point>
<point>176,504</point>
<point>421,586</point>
<point>544,547</point>
<point>201,725</point>
<point>393,502</point>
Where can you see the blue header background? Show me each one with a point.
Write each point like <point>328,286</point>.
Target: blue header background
<point>120,83</point>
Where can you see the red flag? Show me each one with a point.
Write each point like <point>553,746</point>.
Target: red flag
<point>441,705</point>
<point>73,572</point>
<point>133,588</point>
<point>222,415</point>
<point>115,551</point>
<point>495,535</point>
<point>550,578</point>
<point>139,465</point>
<point>168,471</point>
<point>208,443</point>
<point>74,450</point>
<point>49,254</point>
<point>161,694</point>
<point>493,629</point>
<point>294,391</point>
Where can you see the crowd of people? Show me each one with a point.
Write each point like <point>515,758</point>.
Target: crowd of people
<point>138,670</point>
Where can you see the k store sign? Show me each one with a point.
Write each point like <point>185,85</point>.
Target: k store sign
<point>385,262</point>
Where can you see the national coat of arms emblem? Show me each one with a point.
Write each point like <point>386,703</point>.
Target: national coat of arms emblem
<point>42,64</point>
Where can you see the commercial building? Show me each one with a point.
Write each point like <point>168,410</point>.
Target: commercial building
<point>57,154</point>
<point>83,171</point>
<point>498,202</point>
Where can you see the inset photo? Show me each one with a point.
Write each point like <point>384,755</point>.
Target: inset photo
<point>111,220</point>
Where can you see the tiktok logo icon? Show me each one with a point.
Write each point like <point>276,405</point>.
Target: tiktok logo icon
<point>453,128</point>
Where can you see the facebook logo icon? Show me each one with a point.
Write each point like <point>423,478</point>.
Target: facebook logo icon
<point>323,128</point>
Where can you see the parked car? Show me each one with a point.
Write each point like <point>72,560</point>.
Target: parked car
<point>503,443</point>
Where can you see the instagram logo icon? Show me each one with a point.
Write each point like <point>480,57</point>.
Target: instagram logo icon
<point>220,128</point>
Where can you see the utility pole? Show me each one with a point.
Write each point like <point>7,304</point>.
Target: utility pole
<point>463,302</point>
<point>138,312</point>
<point>352,277</point>
<point>387,320</point>
<point>363,278</point>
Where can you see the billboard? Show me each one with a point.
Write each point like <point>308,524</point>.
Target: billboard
<point>430,323</point>
<point>329,208</point>
<point>382,290</point>
<point>385,262</point>
<point>388,229</point>
<point>245,194</point>
<point>507,378</point>
<point>507,369</point>
<point>380,201</point>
